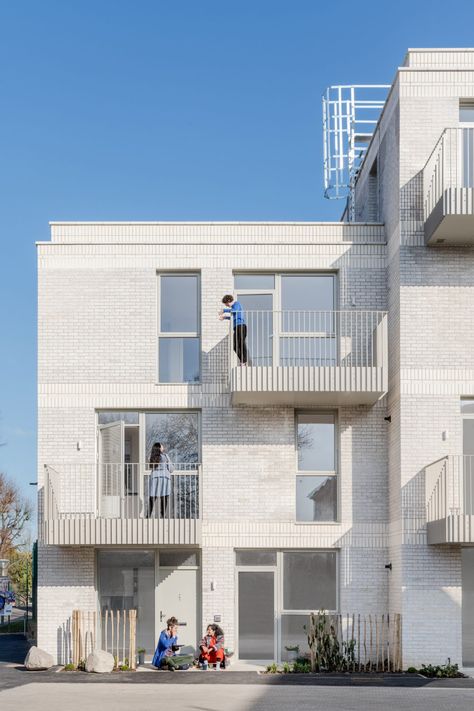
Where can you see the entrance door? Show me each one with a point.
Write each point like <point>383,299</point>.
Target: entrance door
<point>177,596</point>
<point>256,614</point>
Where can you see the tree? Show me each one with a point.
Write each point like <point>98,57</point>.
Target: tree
<point>15,511</point>
<point>20,574</point>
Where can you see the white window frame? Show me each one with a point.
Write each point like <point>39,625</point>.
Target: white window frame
<point>278,334</point>
<point>177,334</point>
<point>320,472</point>
<point>279,609</point>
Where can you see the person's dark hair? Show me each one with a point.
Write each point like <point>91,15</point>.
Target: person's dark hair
<point>218,631</point>
<point>172,621</point>
<point>227,299</point>
<point>155,454</point>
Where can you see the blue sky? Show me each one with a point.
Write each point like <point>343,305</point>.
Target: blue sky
<point>163,110</point>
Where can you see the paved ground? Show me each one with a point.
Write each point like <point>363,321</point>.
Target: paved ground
<point>225,697</point>
<point>222,691</point>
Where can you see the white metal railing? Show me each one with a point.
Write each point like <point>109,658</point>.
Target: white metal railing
<point>449,487</point>
<point>311,338</point>
<point>109,490</point>
<point>450,165</point>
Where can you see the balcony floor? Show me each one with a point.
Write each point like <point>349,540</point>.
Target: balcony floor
<point>456,528</point>
<point>91,531</point>
<point>451,223</point>
<point>305,386</point>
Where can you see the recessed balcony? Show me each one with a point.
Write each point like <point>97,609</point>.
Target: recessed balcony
<point>448,187</point>
<point>303,358</point>
<point>109,503</point>
<point>449,485</point>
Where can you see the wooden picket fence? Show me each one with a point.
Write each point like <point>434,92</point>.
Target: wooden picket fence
<point>113,631</point>
<point>375,640</point>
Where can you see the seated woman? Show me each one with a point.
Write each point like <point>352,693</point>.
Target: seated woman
<point>212,646</point>
<point>166,656</point>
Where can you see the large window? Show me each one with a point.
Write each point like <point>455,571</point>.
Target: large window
<point>179,344</point>
<point>290,317</point>
<point>316,480</point>
<point>306,581</point>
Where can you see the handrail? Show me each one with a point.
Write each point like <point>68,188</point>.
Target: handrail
<point>449,487</point>
<point>125,490</point>
<point>294,338</point>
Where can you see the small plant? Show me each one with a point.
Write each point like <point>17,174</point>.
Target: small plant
<point>287,668</point>
<point>301,667</point>
<point>440,671</point>
<point>272,668</point>
<point>141,650</point>
<point>124,667</point>
<point>81,665</point>
<point>115,661</point>
<point>69,667</point>
<point>412,670</point>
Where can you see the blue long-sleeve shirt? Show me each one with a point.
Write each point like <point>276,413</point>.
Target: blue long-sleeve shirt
<point>164,644</point>
<point>237,314</point>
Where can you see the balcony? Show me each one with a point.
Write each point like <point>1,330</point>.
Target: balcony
<point>449,486</point>
<point>303,358</point>
<point>448,190</point>
<point>108,503</point>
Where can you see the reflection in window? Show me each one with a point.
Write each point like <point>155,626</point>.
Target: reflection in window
<point>129,418</point>
<point>307,292</point>
<point>177,431</point>
<point>255,557</point>
<point>316,498</point>
<point>179,329</point>
<point>315,442</point>
<point>254,281</point>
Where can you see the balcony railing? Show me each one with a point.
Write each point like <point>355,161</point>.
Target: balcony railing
<point>448,182</point>
<point>79,498</point>
<point>315,350</point>
<point>449,486</point>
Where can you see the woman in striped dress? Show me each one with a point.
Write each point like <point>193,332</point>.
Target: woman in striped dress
<point>160,479</point>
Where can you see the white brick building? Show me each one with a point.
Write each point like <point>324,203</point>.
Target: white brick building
<point>292,491</point>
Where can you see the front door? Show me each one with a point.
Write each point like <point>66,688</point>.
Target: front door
<point>256,614</point>
<point>258,312</point>
<point>177,596</point>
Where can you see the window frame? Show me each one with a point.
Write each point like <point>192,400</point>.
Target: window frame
<point>178,334</point>
<point>319,472</point>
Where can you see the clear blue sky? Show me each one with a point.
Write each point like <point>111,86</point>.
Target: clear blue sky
<point>163,110</point>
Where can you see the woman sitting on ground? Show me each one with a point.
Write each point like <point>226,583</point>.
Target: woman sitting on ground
<point>212,646</point>
<point>166,656</point>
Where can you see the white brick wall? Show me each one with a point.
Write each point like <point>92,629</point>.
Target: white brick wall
<point>97,349</point>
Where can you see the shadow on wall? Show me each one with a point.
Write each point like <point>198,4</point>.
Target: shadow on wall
<point>64,642</point>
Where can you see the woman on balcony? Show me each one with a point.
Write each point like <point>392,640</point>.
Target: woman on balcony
<point>160,479</point>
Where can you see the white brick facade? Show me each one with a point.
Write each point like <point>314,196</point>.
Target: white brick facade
<point>98,351</point>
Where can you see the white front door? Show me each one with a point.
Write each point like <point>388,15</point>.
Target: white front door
<point>177,596</point>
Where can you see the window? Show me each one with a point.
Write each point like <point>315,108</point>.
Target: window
<point>259,557</point>
<point>309,581</point>
<point>179,343</point>
<point>466,119</point>
<point>177,431</point>
<point>290,318</point>
<point>178,559</point>
<point>316,480</point>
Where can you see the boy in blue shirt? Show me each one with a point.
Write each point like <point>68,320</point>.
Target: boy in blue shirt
<point>233,309</point>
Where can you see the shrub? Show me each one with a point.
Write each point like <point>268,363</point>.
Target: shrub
<point>272,668</point>
<point>301,667</point>
<point>287,668</point>
<point>440,671</point>
<point>69,667</point>
<point>412,670</point>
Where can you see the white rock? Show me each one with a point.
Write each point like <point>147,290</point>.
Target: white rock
<point>38,659</point>
<point>100,662</point>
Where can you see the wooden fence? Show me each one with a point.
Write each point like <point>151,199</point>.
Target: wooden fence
<point>111,630</point>
<point>367,642</point>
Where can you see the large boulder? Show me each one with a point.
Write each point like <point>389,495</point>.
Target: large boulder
<point>37,659</point>
<point>100,662</point>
